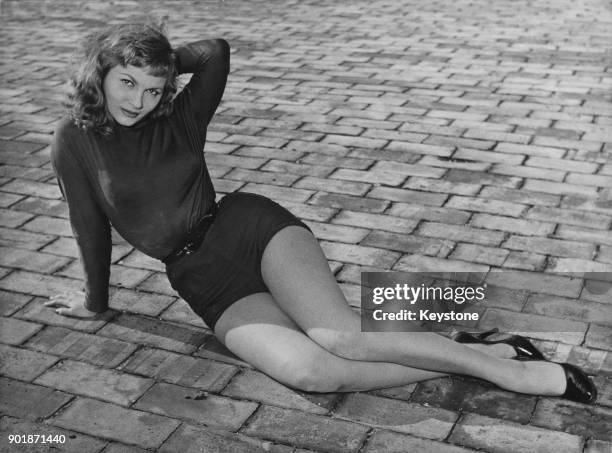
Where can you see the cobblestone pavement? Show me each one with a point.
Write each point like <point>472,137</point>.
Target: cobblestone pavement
<point>410,135</point>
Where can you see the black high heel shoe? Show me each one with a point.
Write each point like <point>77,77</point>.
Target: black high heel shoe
<point>522,346</point>
<point>579,387</point>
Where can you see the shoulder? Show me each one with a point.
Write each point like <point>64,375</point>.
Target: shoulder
<point>68,140</point>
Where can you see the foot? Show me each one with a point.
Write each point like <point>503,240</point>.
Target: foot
<point>554,379</point>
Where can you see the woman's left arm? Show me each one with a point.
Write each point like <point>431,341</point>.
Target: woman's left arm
<point>209,62</point>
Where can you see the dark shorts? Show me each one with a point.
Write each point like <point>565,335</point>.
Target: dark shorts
<point>227,266</point>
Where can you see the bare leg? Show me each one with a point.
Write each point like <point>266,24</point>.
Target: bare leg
<point>298,277</point>
<point>256,330</point>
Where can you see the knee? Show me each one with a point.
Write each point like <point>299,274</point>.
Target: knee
<point>308,376</point>
<point>345,344</point>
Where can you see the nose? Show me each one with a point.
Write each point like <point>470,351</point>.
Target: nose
<point>136,100</point>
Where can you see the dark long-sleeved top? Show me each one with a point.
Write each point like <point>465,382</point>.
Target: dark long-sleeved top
<point>149,180</point>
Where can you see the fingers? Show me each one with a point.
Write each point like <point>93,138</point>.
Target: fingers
<point>55,303</point>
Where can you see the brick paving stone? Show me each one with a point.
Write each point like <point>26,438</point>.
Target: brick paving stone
<point>36,311</point>
<point>598,205</point>
<point>485,205</point>
<point>584,234</point>
<point>14,331</point>
<point>157,283</point>
<point>88,380</point>
<point>74,442</point>
<point>408,196</point>
<point>574,418</point>
<point>375,221</point>
<point>11,302</point>
<point>389,442</point>
<point>306,430</point>
<point>537,326</point>
<point>139,302</point>
<point>589,180</point>
<point>31,261</point>
<point>115,447</point>
<point>520,196</point>
<point>13,219</point>
<point>23,239</point>
<point>529,172</point>
<point>123,276</point>
<point>80,346</point>
<point>349,202</point>
<point>192,439</point>
<point>420,263</point>
<point>273,178</point>
<point>357,254</point>
<point>375,176</point>
<point>255,386</point>
<point>38,189</point>
<point>445,162</point>
<point>277,192</point>
<point>29,401</point>
<point>408,418</point>
<point>403,392</point>
<point>576,265</point>
<point>569,217</point>
<point>141,330</point>
<point>437,185</point>
<point>424,171</point>
<point>23,364</point>
<point>597,446</point>
<point>548,246</point>
<point>196,405</point>
<point>49,225</point>
<point>520,226</point>
<point>8,199</point>
<point>479,254</point>
<point>43,206</point>
<point>460,233</point>
<point>559,188</point>
<point>417,212</point>
<point>482,178</point>
<point>498,436</point>
<point>598,336</point>
<point>488,156</point>
<point>469,395</point>
<point>405,243</point>
<point>297,168</point>
<point>340,233</point>
<point>353,163</point>
<point>330,185</point>
<point>180,369</point>
<point>117,423</point>
<point>577,309</point>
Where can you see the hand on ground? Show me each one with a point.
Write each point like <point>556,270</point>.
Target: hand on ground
<point>70,303</point>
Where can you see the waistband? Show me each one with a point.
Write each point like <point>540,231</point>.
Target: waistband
<point>194,237</point>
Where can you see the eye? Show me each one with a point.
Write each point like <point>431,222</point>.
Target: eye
<point>154,91</point>
<point>127,82</point>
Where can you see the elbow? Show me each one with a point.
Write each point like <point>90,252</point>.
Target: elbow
<point>222,50</point>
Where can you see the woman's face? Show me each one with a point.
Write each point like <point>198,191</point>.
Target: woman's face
<point>131,93</point>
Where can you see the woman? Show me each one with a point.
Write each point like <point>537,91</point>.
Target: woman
<point>132,155</point>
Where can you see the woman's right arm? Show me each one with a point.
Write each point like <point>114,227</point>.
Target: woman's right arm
<point>91,230</point>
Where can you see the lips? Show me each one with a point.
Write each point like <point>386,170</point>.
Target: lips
<point>129,113</point>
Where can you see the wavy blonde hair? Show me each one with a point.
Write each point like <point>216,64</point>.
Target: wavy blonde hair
<point>139,44</point>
